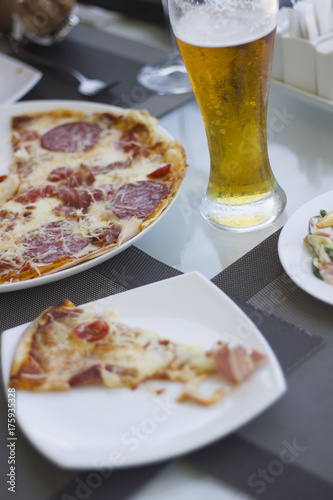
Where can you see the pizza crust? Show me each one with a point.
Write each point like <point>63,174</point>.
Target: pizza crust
<point>8,187</point>
<point>23,349</point>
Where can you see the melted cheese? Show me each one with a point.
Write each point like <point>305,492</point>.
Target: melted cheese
<point>8,187</point>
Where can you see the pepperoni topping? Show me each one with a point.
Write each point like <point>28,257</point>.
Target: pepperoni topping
<point>28,369</point>
<point>4,265</point>
<point>32,195</point>
<point>78,198</point>
<point>235,364</point>
<point>81,198</point>
<point>99,194</point>
<point>82,177</point>
<point>28,135</point>
<point>109,235</point>
<point>117,165</point>
<point>4,214</point>
<point>71,137</point>
<point>87,377</point>
<point>133,140</point>
<point>60,313</point>
<point>91,332</point>
<point>7,220</point>
<point>3,177</point>
<point>20,121</point>
<point>55,240</point>
<point>59,174</point>
<point>109,117</point>
<point>63,210</point>
<point>26,266</point>
<point>139,199</point>
<point>160,172</point>
<point>24,169</point>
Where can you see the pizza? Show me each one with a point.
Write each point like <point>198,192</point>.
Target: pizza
<point>81,185</point>
<point>68,347</point>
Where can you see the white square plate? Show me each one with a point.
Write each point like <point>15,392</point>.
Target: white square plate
<point>16,79</point>
<point>94,427</point>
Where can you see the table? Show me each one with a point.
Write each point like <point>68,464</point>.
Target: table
<point>301,153</point>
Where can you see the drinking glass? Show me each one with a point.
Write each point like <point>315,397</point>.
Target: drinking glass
<point>227,47</point>
<point>169,76</point>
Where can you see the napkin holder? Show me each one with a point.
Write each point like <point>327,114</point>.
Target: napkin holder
<point>304,64</point>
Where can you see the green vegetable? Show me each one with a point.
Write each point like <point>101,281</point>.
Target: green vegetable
<point>321,247</point>
<point>315,269</point>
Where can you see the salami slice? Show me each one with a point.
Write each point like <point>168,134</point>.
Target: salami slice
<point>82,177</point>
<point>92,331</point>
<point>75,197</point>
<point>59,174</point>
<point>139,199</point>
<point>116,165</point>
<point>54,240</point>
<point>107,236</point>
<point>87,377</point>
<point>72,137</point>
<point>34,194</point>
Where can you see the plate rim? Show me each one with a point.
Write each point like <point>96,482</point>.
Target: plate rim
<point>39,105</point>
<point>35,76</point>
<point>303,276</point>
<point>279,380</point>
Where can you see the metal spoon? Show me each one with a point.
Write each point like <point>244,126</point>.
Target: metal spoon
<point>87,86</point>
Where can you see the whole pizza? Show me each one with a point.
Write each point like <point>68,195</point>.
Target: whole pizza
<point>80,185</point>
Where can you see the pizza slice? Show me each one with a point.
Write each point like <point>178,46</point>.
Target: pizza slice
<point>68,347</point>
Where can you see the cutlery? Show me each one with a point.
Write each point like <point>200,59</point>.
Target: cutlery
<point>86,87</point>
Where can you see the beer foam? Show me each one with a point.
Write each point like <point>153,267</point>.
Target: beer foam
<point>213,25</point>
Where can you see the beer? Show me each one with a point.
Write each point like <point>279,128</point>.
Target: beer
<point>231,86</point>
<point>228,57</point>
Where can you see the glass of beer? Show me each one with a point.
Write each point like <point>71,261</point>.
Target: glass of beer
<point>227,47</point>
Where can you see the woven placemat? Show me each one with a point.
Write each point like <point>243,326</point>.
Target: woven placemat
<point>129,269</point>
<point>303,416</point>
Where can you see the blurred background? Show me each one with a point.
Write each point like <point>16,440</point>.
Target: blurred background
<point>148,10</point>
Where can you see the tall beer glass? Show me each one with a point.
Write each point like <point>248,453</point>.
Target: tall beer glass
<point>227,47</point>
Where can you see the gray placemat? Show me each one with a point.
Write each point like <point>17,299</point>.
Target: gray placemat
<point>129,269</point>
<point>304,415</point>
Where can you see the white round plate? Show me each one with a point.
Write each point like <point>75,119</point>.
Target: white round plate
<point>294,255</point>
<point>6,157</point>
